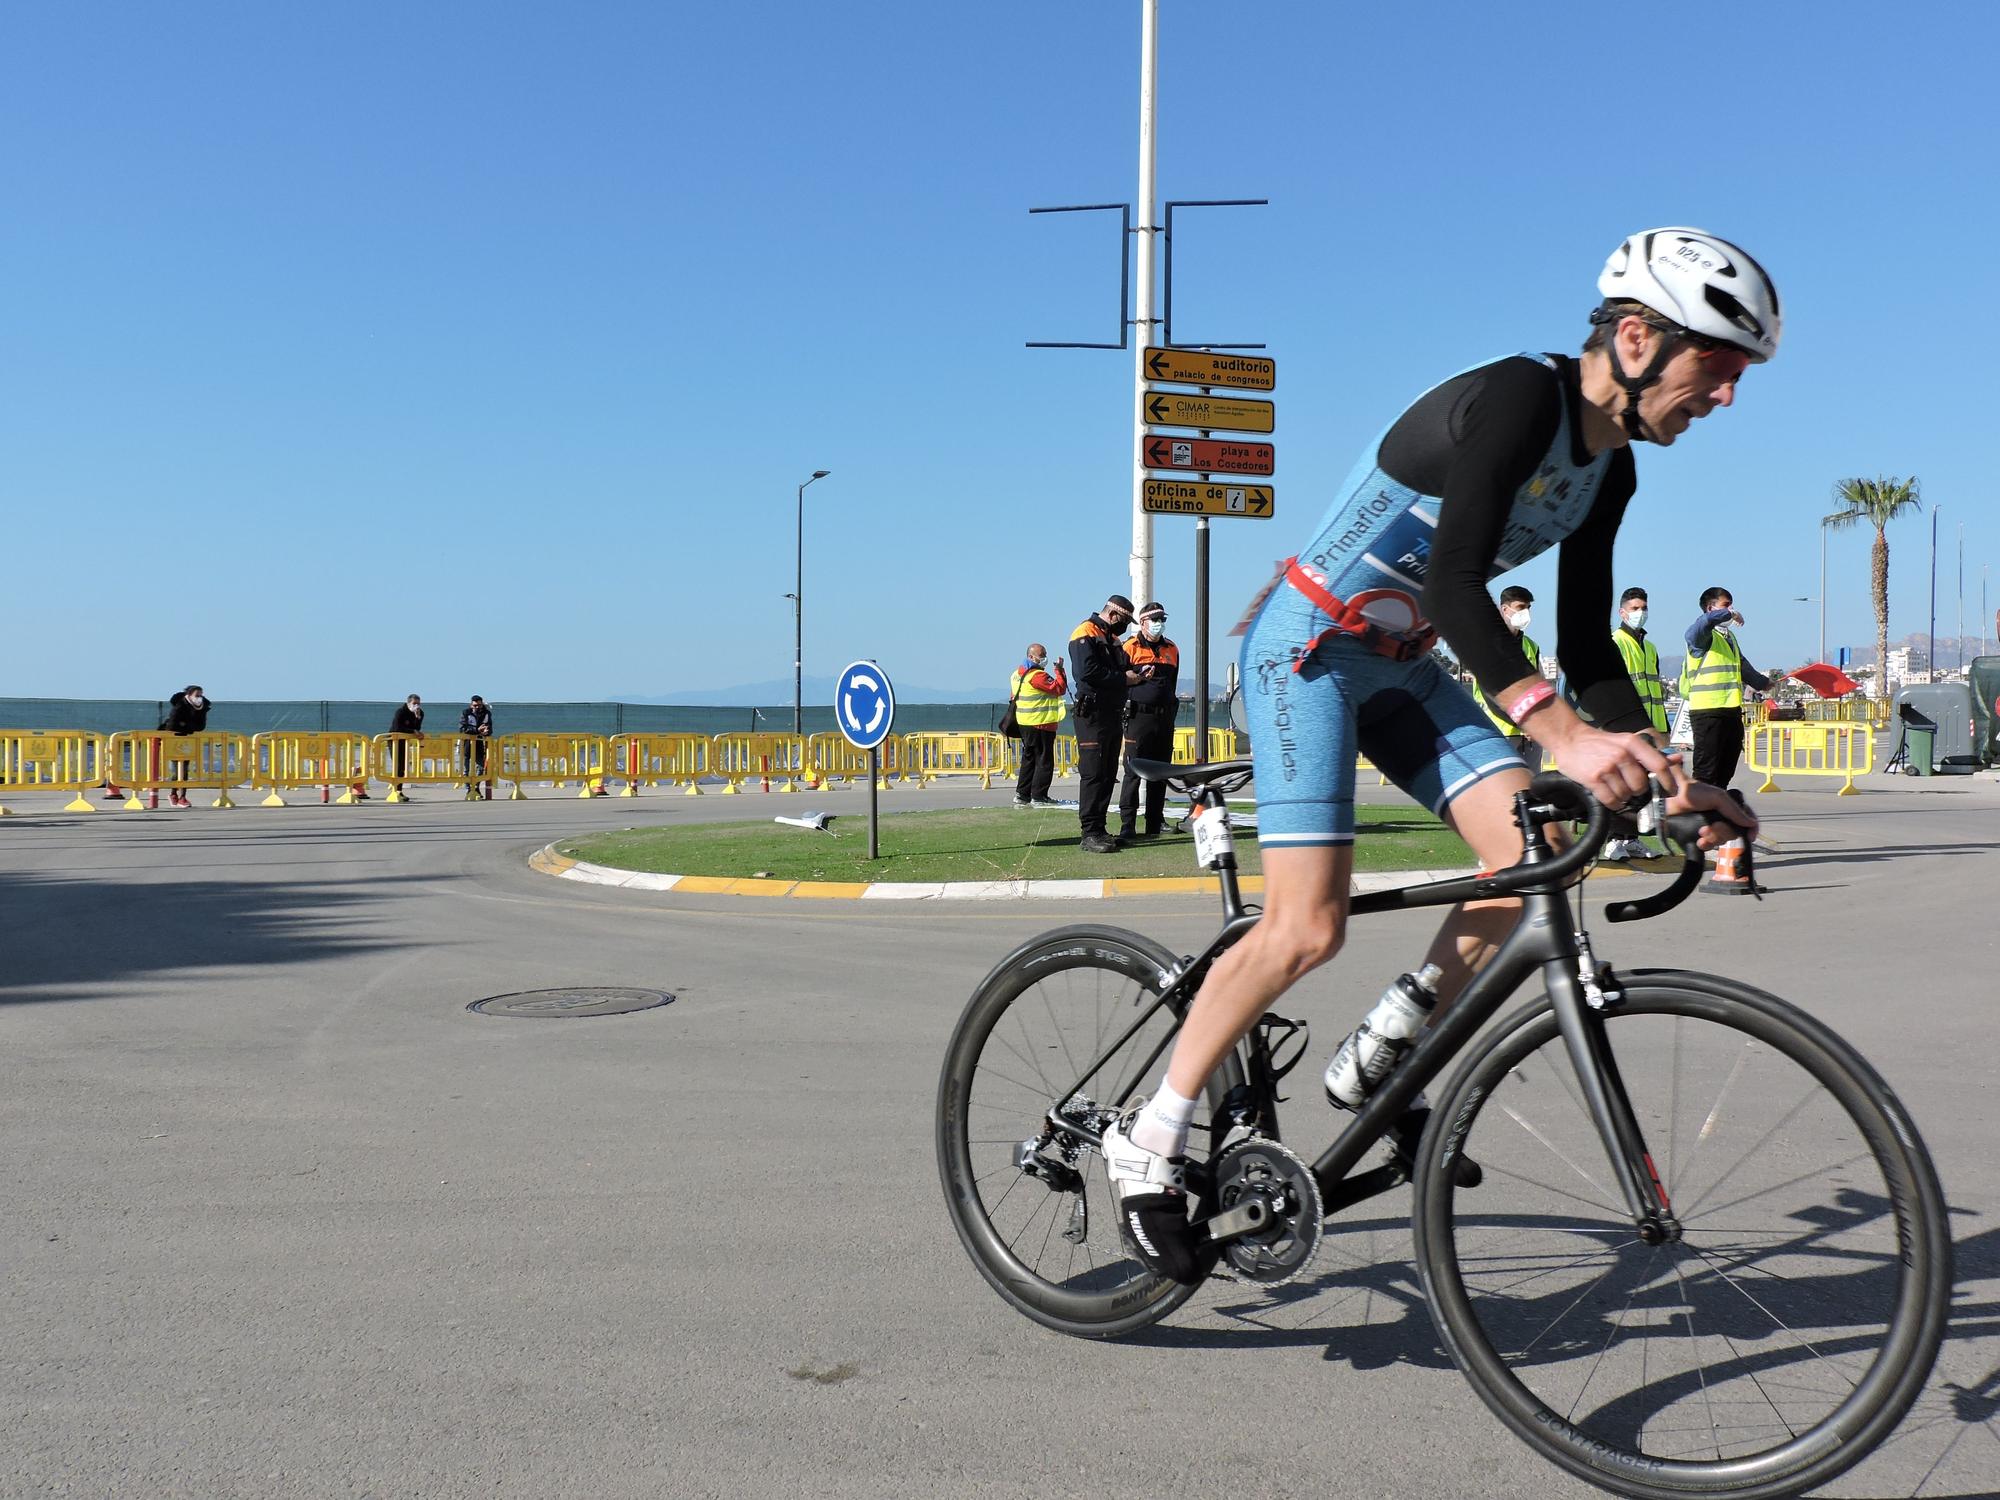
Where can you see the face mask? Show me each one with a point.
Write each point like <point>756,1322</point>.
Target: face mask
<point>1636,619</point>
<point>1520,619</point>
<point>1119,627</point>
<point>196,699</point>
<point>1154,629</point>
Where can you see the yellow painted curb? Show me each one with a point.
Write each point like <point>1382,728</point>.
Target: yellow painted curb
<point>824,890</point>
<point>549,862</point>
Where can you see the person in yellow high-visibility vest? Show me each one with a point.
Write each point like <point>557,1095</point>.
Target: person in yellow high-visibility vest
<point>1642,664</point>
<point>1516,610</point>
<point>1712,681</point>
<point>1037,693</point>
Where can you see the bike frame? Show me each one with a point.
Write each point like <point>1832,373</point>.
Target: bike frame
<point>1545,938</point>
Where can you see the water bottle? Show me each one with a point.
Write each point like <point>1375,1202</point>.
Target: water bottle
<point>1389,1030</point>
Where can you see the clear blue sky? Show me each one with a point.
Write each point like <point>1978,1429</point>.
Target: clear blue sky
<point>354,350</point>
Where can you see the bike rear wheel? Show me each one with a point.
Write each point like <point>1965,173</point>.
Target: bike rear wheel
<point>1781,1335</point>
<point>1049,1244</point>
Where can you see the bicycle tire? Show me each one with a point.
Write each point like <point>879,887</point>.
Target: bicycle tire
<point>1741,1293</point>
<point>1042,982</point>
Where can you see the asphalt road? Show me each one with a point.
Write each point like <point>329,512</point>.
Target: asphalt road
<point>279,1216</point>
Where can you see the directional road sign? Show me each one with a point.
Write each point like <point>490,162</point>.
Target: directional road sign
<point>1209,455</point>
<point>1193,367</point>
<point>1228,413</point>
<point>1184,497</point>
<point>864,705</point>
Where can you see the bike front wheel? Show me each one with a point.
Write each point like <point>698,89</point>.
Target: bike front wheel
<point>1777,1335</point>
<point>1060,1025</point>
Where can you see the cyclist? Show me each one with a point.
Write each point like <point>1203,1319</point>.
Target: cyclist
<point>1482,473</point>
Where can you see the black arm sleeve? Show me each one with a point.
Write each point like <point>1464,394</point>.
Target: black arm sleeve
<point>1597,678</point>
<point>1500,428</point>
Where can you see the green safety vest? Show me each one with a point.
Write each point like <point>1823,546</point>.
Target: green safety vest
<point>1714,679</point>
<point>1032,707</point>
<point>1500,721</point>
<point>1642,665</point>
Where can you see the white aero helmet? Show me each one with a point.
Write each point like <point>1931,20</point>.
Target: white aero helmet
<point>1701,282</point>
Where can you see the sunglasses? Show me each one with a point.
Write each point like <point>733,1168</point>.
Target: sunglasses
<point>1721,362</point>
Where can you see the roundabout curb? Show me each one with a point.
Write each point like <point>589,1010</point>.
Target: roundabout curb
<point>548,862</point>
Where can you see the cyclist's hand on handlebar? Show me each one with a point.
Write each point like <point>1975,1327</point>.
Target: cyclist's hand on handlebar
<point>1732,818</point>
<point>1612,767</point>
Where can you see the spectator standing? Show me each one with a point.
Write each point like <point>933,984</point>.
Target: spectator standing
<point>1150,706</point>
<point>1516,611</point>
<point>477,722</point>
<point>1037,695</point>
<point>187,713</point>
<point>1642,657</point>
<point>1100,676</point>
<point>1712,681</point>
<point>1642,665</point>
<point>407,719</point>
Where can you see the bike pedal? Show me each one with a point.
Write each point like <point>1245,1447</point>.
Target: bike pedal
<point>1407,1132</point>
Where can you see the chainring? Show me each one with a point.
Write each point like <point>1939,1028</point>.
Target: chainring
<point>1284,1249</point>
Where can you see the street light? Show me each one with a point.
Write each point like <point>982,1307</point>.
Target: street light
<point>798,598</point>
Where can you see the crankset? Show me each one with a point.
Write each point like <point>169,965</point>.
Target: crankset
<point>1264,1211</point>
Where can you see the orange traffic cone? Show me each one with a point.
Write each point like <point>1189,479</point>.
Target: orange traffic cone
<point>1729,879</point>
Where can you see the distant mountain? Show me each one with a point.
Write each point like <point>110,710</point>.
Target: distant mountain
<point>816,692</point>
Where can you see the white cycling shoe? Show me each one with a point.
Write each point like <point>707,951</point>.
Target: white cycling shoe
<point>1149,1193</point>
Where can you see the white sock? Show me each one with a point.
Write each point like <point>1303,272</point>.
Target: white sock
<point>1162,1126</point>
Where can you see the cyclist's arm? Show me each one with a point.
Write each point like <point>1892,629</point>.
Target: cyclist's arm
<point>1599,684</point>
<point>1499,432</point>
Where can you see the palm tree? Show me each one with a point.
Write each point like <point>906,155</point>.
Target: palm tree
<point>1878,502</point>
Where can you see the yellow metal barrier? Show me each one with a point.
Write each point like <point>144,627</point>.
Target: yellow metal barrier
<point>1845,711</point>
<point>432,760</point>
<point>650,759</point>
<point>286,760</point>
<point>929,756</point>
<point>152,760</point>
<point>1801,749</point>
<point>739,757</point>
<point>51,760</point>
<point>1066,755</point>
<point>830,754</point>
<point>559,759</point>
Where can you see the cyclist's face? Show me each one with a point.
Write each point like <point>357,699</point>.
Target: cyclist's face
<point>1695,382</point>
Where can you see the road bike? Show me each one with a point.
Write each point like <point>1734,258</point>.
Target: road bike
<point>1680,1237</point>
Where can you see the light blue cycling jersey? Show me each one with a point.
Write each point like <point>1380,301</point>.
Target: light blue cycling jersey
<point>1501,441</point>
<point>1374,544</point>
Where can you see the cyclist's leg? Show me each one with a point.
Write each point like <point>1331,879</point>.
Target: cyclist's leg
<point>1302,740</point>
<point>1304,923</point>
<point>1433,740</point>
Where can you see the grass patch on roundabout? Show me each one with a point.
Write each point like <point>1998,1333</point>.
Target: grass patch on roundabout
<point>981,843</point>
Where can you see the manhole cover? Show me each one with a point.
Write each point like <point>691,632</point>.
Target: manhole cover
<point>562,1004</point>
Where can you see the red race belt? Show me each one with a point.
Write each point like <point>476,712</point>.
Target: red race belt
<point>1348,621</point>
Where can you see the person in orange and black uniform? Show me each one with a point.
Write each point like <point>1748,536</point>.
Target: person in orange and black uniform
<point>1150,706</point>
<point>1099,675</point>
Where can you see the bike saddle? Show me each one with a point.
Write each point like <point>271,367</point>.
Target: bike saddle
<point>1188,776</point>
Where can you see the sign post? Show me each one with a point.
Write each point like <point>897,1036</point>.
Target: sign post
<point>864,706</point>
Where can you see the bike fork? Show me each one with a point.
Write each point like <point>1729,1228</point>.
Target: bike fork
<point>1582,1027</point>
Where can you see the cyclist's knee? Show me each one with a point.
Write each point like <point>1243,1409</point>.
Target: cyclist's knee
<point>1300,946</point>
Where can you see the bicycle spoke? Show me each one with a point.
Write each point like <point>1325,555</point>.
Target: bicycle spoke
<point>1701,1374</point>
<point>1756,1146</point>
<point>1557,1152</point>
<point>1617,1325</point>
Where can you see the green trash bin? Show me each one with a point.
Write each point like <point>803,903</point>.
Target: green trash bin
<point>1918,744</point>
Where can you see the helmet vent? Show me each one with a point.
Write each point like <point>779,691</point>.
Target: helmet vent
<point>1733,310</point>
